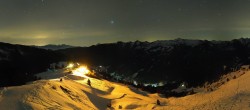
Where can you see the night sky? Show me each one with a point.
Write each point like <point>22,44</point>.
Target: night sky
<point>88,22</point>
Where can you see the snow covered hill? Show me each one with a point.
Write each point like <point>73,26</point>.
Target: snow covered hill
<point>74,93</point>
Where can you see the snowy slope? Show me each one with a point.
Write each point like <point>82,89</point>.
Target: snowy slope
<point>234,95</point>
<point>73,93</point>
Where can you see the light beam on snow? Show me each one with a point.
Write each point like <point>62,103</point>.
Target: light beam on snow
<point>71,65</point>
<point>82,71</point>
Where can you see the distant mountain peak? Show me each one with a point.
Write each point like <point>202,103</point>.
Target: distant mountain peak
<point>55,47</point>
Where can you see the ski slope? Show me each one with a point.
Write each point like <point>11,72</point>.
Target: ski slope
<point>73,93</point>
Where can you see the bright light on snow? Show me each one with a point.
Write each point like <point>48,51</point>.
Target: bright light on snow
<point>81,71</point>
<point>71,65</point>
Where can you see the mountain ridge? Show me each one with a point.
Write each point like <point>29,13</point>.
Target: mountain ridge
<point>19,63</point>
<point>55,47</point>
<point>166,60</point>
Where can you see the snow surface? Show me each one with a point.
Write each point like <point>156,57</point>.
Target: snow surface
<point>74,94</point>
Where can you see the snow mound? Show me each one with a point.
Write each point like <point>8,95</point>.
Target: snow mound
<point>46,94</point>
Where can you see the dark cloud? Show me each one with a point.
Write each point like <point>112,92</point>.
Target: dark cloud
<point>87,22</point>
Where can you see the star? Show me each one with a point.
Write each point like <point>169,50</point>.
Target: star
<point>112,22</point>
<point>180,9</point>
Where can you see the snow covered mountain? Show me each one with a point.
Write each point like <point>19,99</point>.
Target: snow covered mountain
<point>181,60</point>
<point>176,65</point>
<point>74,93</point>
<point>55,47</point>
<point>168,61</point>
